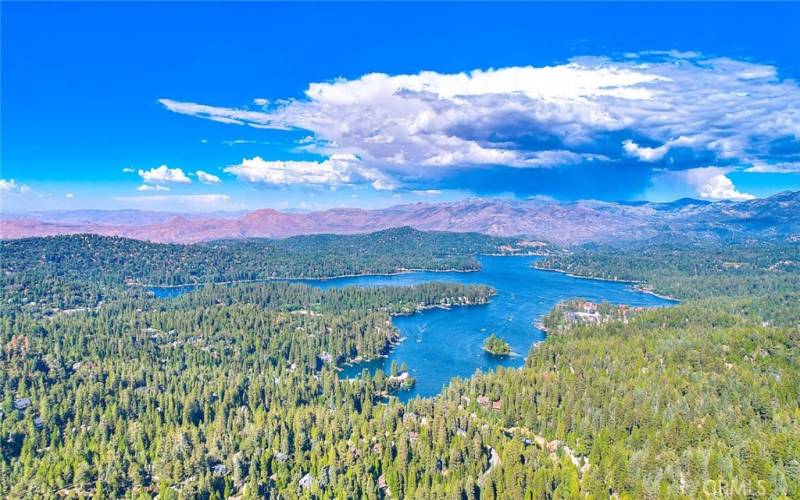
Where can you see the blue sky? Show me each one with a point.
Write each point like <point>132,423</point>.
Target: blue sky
<point>306,106</point>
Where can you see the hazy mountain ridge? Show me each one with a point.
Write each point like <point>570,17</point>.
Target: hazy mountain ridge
<point>776,217</point>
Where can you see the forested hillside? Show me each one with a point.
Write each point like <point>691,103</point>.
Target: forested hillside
<point>757,280</point>
<point>232,391</point>
<point>678,403</point>
<point>204,391</point>
<point>67,272</point>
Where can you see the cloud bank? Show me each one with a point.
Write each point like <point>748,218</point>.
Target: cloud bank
<point>680,110</point>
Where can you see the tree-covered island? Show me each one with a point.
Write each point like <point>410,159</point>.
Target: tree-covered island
<point>496,346</point>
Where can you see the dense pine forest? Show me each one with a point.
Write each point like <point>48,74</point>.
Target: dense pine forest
<point>232,390</point>
<point>69,272</point>
<point>756,280</point>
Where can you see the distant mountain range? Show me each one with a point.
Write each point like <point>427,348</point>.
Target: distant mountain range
<point>563,223</point>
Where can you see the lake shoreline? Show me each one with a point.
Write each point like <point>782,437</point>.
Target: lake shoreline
<point>399,339</point>
<point>435,371</point>
<point>327,278</point>
<point>638,285</point>
<point>399,272</point>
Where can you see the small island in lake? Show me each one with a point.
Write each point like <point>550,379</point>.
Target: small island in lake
<point>497,346</point>
<point>398,380</point>
<point>404,381</point>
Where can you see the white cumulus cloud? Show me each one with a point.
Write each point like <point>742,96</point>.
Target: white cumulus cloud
<point>164,174</point>
<point>644,153</point>
<point>336,170</point>
<point>11,186</point>
<point>207,178</point>
<point>709,183</point>
<point>720,187</point>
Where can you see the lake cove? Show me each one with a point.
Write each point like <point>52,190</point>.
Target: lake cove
<point>439,344</point>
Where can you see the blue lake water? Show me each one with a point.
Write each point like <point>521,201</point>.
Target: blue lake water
<point>444,343</point>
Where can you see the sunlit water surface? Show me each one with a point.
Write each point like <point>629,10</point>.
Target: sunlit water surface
<point>439,344</point>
